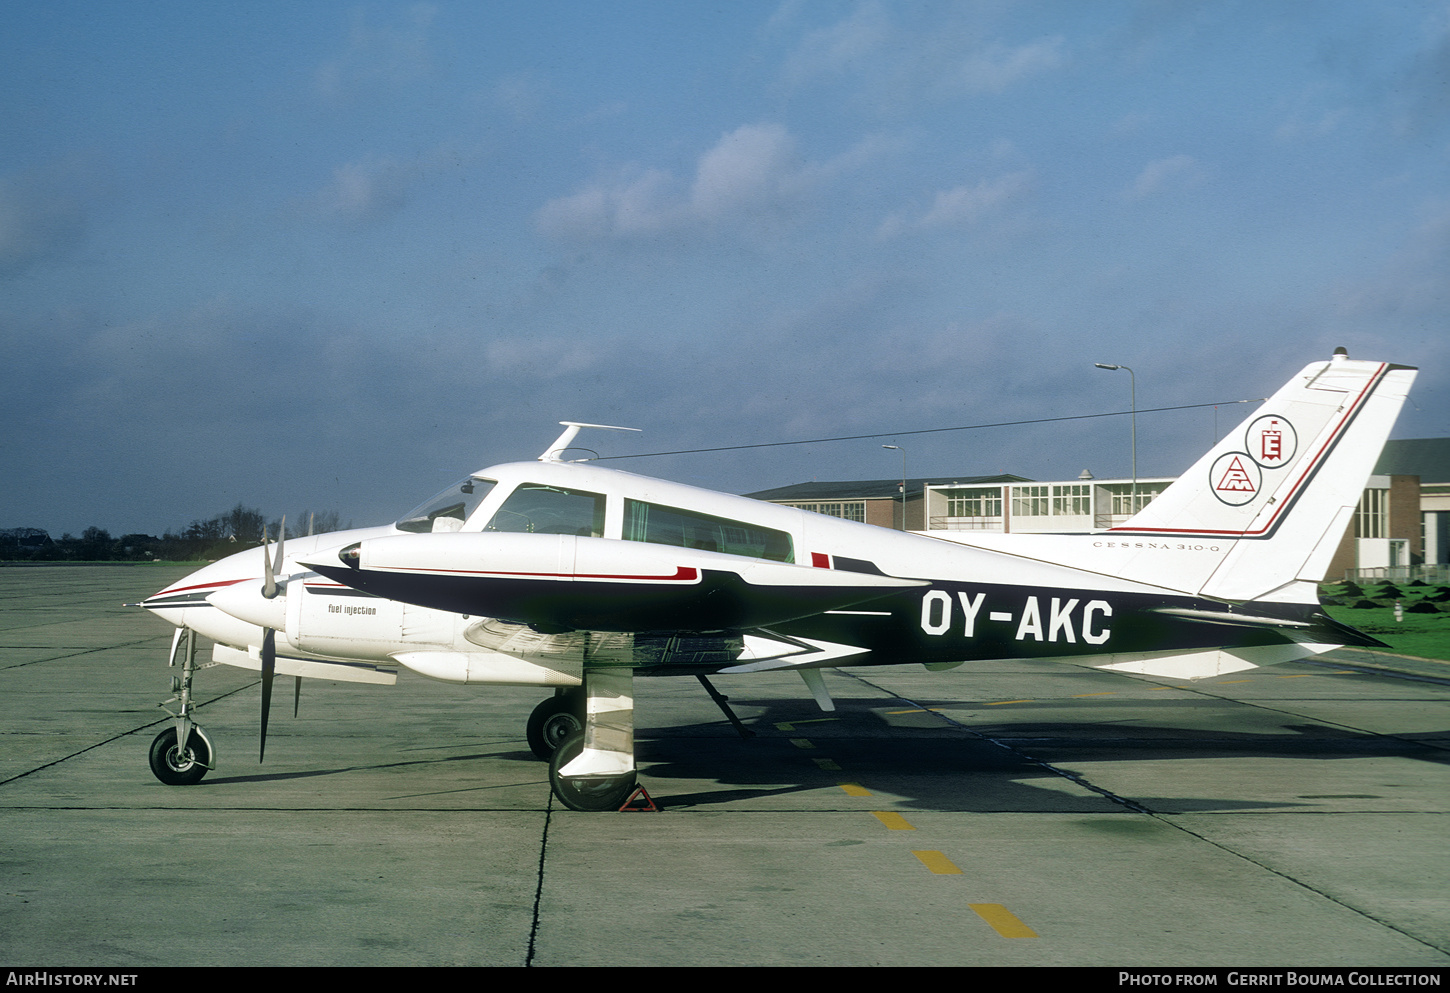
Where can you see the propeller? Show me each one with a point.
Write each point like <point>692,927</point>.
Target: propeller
<point>269,636</point>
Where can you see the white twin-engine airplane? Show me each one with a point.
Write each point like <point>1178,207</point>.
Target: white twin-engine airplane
<point>576,577</point>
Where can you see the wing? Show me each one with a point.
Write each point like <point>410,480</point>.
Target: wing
<point>562,583</point>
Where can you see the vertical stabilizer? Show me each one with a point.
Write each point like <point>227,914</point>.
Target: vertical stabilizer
<point>1277,493</point>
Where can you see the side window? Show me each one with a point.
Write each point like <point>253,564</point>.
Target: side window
<point>537,509</point>
<point>687,529</point>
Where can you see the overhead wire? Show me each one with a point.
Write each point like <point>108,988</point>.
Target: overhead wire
<point>903,434</point>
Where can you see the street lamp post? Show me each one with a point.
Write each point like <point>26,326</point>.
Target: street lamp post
<point>1133,393</point>
<point>903,482</point>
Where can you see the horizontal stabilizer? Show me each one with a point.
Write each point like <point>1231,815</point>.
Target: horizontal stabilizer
<point>1209,662</point>
<point>777,652</point>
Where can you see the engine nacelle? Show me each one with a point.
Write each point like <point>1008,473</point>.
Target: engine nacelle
<point>486,667</point>
<point>325,618</point>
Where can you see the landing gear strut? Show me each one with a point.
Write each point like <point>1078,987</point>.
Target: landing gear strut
<point>182,754</point>
<point>594,770</point>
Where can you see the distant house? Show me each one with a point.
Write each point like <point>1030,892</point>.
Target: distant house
<point>25,538</point>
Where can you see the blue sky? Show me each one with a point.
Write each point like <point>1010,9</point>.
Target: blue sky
<point>333,256</point>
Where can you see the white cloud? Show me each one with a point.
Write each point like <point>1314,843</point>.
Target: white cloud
<point>998,66</point>
<point>842,46</point>
<point>1309,127</point>
<point>632,204</point>
<point>541,358</point>
<point>961,206</point>
<point>750,168</point>
<point>392,55</point>
<point>365,191</point>
<point>1163,175</point>
<point>753,173</point>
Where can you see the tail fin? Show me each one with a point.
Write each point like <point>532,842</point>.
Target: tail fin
<point>1278,492</point>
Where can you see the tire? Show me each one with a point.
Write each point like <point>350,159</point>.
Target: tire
<point>588,793</point>
<point>174,768</point>
<point>551,722</point>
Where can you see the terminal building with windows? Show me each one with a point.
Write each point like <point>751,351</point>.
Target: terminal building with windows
<point>1400,531</point>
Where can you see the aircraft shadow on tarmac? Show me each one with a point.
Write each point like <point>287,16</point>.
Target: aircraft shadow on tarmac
<point>992,767</point>
<point>941,756</point>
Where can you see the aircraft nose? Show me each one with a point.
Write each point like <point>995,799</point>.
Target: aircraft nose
<point>245,602</point>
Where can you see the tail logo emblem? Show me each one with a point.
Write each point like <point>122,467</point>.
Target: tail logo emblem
<point>1271,441</point>
<point>1235,478</point>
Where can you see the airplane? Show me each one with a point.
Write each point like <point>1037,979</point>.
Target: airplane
<point>573,577</point>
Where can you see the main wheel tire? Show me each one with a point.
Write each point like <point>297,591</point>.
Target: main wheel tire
<point>586,792</point>
<point>175,768</point>
<point>551,722</point>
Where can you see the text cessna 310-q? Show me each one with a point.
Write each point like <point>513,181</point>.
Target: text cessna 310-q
<point>580,578</point>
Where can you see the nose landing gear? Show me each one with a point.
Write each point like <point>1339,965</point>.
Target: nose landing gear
<point>182,754</point>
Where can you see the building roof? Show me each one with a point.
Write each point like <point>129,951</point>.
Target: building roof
<point>874,489</point>
<point>1428,458</point>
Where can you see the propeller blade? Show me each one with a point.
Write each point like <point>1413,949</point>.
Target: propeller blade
<point>270,568</point>
<point>281,541</point>
<point>296,695</point>
<point>269,578</point>
<point>269,670</point>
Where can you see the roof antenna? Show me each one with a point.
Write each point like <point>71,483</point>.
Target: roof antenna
<point>571,429</point>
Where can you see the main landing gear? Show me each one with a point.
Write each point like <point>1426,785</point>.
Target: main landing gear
<point>592,768</point>
<point>587,734</point>
<point>182,754</point>
<point>554,720</point>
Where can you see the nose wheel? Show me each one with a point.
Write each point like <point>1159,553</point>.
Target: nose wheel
<point>176,766</point>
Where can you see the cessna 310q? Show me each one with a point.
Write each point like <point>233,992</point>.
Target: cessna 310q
<point>578,578</point>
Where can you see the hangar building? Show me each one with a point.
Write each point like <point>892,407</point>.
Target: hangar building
<point>1401,530</point>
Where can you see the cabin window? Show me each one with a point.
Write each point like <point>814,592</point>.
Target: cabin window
<point>448,510</point>
<point>537,509</point>
<point>688,529</point>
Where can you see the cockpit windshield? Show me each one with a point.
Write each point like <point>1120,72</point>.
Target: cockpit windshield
<point>449,509</point>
